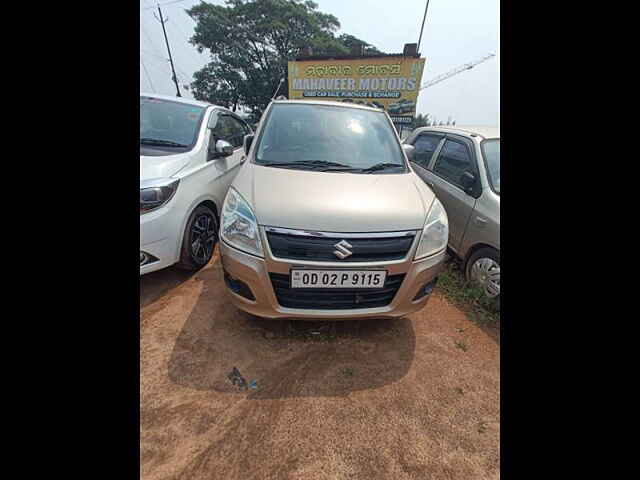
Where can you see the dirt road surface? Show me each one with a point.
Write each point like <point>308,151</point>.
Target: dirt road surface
<point>416,398</point>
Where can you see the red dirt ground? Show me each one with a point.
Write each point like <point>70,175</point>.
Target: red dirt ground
<point>416,398</point>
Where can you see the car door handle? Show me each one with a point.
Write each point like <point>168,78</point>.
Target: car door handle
<point>481,222</point>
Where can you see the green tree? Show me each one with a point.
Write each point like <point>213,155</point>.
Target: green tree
<point>251,41</point>
<point>349,41</point>
<point>420,120</point>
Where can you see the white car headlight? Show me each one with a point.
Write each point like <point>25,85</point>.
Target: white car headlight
<point>435,233</point>
<point>156,193</point>
<point>239,226</point>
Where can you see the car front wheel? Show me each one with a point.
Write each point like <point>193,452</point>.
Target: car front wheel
<point>483,268</point>
<point>199,240</point>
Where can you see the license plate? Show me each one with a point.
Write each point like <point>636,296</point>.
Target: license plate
<point>338,278</point>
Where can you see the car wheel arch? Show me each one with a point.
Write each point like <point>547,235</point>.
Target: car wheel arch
<point>473,249</point>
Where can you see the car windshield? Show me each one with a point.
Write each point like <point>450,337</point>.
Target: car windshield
<point>166,124</point>
<point>491,151</point>
<point>331,138</point>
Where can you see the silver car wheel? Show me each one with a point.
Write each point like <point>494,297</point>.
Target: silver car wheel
<point>486,271</point>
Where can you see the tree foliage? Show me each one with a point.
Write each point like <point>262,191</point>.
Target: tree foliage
<point>420,120</point>
<point>251,41</point>
<point>349,41</point>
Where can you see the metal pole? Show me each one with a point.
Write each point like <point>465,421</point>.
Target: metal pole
<point>421,28</point>
<point>175,79</point>
<point>277,89</point>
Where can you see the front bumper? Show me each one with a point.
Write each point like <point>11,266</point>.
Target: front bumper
<point>159,239</point>
<point>254,272</point>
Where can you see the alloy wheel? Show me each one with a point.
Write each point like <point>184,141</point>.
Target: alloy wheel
<point>203,237</point>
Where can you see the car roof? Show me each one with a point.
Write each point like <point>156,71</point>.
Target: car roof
<point>477,130</point>
<point>188,101</point>
<point>329,103</point>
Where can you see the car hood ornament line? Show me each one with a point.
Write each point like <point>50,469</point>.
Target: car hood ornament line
<point>342,249</point>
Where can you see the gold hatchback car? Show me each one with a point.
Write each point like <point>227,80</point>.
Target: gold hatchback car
<point>327,220</point>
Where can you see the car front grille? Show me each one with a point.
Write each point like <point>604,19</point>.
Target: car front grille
<point>370,248</point>
<point>334,299</point>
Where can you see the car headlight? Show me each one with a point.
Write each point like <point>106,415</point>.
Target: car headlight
<point>239,226</point>
<point>435,233</point>
<point>157,192</point>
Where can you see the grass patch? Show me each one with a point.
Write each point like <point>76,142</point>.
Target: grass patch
<point>462,346</point>
<point>452,283</point>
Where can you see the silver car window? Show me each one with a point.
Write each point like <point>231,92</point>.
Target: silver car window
<point>425,146</point>
<point>491,153</point>
<point>453,161</point>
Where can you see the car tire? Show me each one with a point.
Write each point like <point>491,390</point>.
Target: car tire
<point>199,239</point>
<point>483,267</point>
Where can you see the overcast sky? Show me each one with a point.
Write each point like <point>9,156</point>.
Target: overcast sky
<point>456,32</point>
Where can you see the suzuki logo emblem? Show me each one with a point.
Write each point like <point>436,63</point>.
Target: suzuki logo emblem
<point>342,251</point>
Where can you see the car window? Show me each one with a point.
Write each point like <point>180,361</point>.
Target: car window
<point>425,146</point>
<point>222,129</point>
<point>453,161</point>
<point>229,129</point>
<point>491,151</point>
<point>237,131</point>
<point>167,121</point>
<point>245,127</point>
<point>354,139</point>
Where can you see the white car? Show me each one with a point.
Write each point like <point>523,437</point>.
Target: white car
<point>190,152</point>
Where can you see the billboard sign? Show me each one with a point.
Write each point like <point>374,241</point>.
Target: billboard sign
<point>391,83</point>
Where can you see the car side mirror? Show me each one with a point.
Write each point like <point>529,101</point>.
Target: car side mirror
<point>410,151</point>
<point>221,148</point>
<point>246,143</point>
<point>468,181</point>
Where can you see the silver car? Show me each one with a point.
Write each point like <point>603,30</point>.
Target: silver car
<point>462,166</point>
<point>327,220</point>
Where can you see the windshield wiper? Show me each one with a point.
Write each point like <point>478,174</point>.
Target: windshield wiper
<point>315,164</point>
<point>157,141</point>
<point>324,163</point>
<point>380,166</point>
